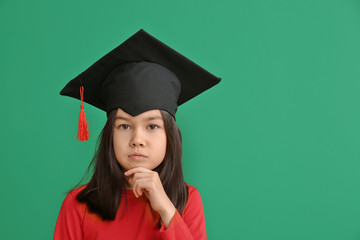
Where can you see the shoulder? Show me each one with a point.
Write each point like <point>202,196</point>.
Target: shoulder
<point>71,196</point>
<point>71,216</point>
<point>193,212</point>
<point>194,198</point>
<point>75,191</point>
<point>193,191</point>
<point>70,201</point>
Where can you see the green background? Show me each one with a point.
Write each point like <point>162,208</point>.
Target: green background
<point>273,149</point>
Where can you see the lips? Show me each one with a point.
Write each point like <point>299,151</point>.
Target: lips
<point>137,156</point>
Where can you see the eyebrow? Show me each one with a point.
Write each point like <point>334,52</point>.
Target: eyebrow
<point>146,119</point>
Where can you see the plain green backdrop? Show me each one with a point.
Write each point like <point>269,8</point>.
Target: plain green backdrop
<point>273,149</point>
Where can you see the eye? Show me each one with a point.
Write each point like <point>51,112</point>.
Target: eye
<point>153,127</point>
<point>124,126</point>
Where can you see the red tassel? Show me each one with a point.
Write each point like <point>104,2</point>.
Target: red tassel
<point>83,131</point>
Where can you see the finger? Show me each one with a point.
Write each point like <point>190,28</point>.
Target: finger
<point>131,181</point>
<point>137,176</point>
<point>145,177</point>
<point>140,185</point>
<point>137,190</point>
<point>146,187</point>
<point>136,193</point>
<point>136,170</point>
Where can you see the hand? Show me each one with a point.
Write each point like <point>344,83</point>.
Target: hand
<point>148,182</point>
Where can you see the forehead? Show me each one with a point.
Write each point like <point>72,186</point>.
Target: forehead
<point>151,114</point>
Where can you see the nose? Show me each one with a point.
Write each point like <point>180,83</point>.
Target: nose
<point>137,139</point>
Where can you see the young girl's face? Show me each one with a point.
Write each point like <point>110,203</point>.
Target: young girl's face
<point>139,141</point>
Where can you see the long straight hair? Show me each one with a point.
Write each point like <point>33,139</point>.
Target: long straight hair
<point>103,193</point>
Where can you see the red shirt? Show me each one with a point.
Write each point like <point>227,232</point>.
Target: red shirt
<point>76,222</point>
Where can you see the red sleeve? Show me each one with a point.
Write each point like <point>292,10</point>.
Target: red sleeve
<point>190,224</point>
<point>68,225</point>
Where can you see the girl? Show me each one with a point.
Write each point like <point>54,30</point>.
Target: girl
<point>137,190</point>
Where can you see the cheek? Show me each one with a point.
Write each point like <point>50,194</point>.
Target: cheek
<point>118,144</point>
<point>116,147</point>
<point>162,144</point>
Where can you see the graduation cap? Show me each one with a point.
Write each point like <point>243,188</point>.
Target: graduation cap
<point>140,74</point>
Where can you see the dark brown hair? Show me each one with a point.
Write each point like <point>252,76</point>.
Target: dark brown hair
<point>103,192</point>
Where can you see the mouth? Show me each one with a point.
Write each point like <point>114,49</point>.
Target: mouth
<point>137,156</point>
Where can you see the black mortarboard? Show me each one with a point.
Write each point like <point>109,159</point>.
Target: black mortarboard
<point>140,74</point>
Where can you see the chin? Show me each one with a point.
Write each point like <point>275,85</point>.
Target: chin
<point>138,165</point>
